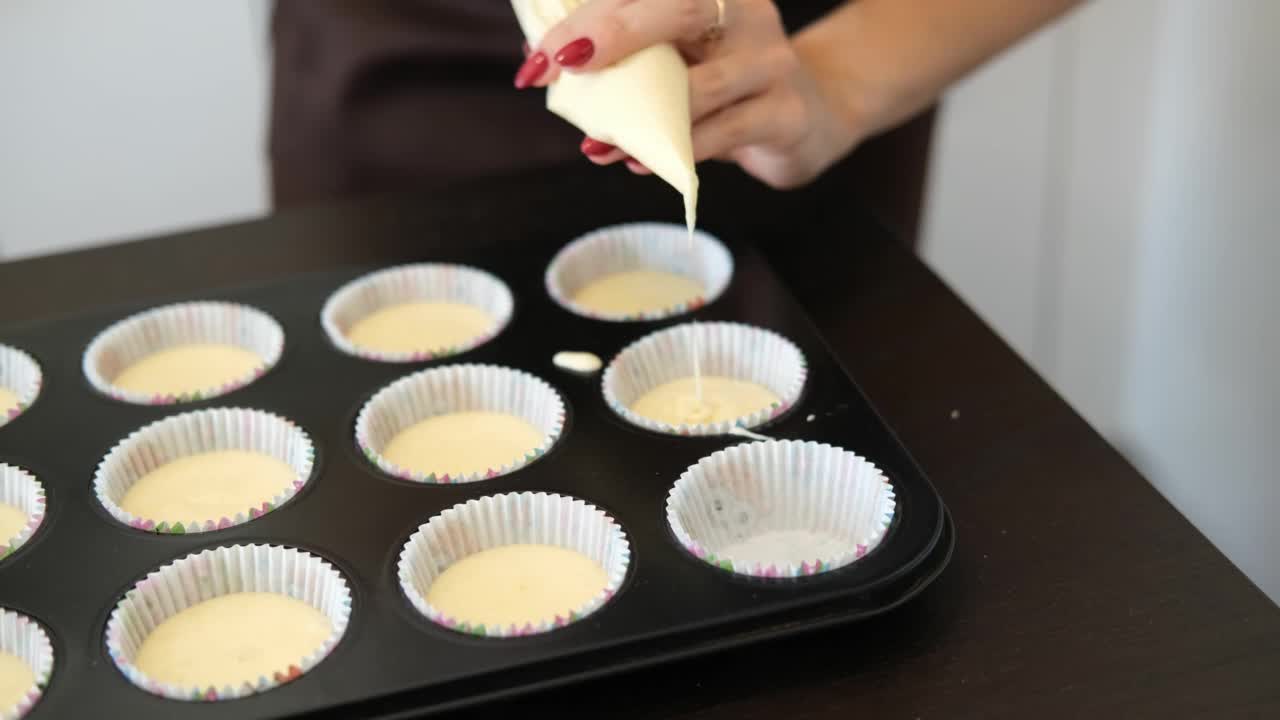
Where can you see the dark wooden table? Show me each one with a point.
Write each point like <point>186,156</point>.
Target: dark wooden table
<point>1076,590</point>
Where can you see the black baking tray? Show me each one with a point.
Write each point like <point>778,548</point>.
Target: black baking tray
<point>391,661</point>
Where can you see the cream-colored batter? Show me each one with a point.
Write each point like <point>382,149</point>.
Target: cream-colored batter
<point>420,326</point>
<point>12,520</point>
<point>463,442</point>
<point>640,103</point>
<point>186,369</point>
<point>8,401</point>
<point>637,291</point>
<point>517,584</point>
<point>232,639</point>
<point>723,398</point>
<point>208,486</point>
<point>16,678</point>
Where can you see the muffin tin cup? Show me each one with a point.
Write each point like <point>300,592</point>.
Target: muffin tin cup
<point>781,508</point>
<point>19,374</point>
<point>201,431</point>
<point>25,639</point>
<point>733,350</point>
<point>21,490</point>
<point>223,571</point>
<point>639,246</point>
<point>425,282</point>
<point>512,519</point>
<point>458,388</point>
<point>136,337</point>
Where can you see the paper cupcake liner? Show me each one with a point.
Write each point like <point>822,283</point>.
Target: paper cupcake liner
<point>639,246</point>
<point>512,519</point>
<point>733,350</point>
<point>24,638</point>
<point>781,486</point>
<point>20,489</point>
<point>133,338</point>
<point>200,431</point>
<point>223,571</point>
<point>425,282</point>
<point>19,374</point>
<point>458,388</point>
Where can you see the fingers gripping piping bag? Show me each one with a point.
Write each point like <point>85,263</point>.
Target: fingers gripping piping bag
<point>639,104</point>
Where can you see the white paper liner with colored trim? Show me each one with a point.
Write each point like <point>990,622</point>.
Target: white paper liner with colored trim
<point>512,519</point>
<point>148,448</point>
<point>19,374</point>
<point>19,489</point>
<point>458,388</point>
<point>826,506</point>
<point>425,282</point>
<point>215,572</point>
<point>130,340</point>
<point>639,246</point>
<point>23,638</point>
<point>732,350</point>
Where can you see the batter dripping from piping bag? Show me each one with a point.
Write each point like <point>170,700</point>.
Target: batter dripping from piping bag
<point>639,104</point>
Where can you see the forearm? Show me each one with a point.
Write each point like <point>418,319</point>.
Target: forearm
<point>881,61</point>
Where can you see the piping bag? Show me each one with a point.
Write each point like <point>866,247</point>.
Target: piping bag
<point>639,104</point>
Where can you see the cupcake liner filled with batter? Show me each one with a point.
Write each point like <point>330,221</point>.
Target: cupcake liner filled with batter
<point>514,564</point>
<point>459,423</point>
<point>204,470</point>
<point>183,353</point>
<point>781,508</point>
<point>20,381</point>
<point>26,662</point>
<point>413,313</point>
<point>228,622</point>
<point>22,508</point>
<point>705,378</point>
<point>639,271</point>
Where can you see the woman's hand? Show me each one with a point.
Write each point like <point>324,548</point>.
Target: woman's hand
<point>756,97</point>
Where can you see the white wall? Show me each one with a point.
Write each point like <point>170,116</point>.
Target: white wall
<point>1203,402</point>
<point>127,118</point>
<point>1120,175</point>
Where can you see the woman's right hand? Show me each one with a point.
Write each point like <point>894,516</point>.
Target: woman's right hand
<point>756,98</point>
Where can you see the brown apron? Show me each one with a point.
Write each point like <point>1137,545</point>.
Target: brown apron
<point>371,95</point>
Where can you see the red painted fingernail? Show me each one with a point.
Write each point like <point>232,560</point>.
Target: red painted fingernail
<point>576,53</point>
<point>531,70</point>
<point>591,146</point>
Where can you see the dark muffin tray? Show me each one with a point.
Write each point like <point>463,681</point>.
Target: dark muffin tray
<point>392,661</point>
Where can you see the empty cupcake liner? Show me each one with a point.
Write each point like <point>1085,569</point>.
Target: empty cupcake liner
<point>223,571</point>
<point>512,519</point>
<point>781,508</point>
<point>192,433</point>
<point>136,337</point>
<point>21,490</point>
<point>458,388</point>
<point>733,350</point>
<point>639,246</point>
<point>19,374</point>
<point>25,639</point>
<point>425,282</point>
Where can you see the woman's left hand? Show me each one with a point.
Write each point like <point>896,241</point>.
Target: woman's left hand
<point>756,97</point>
